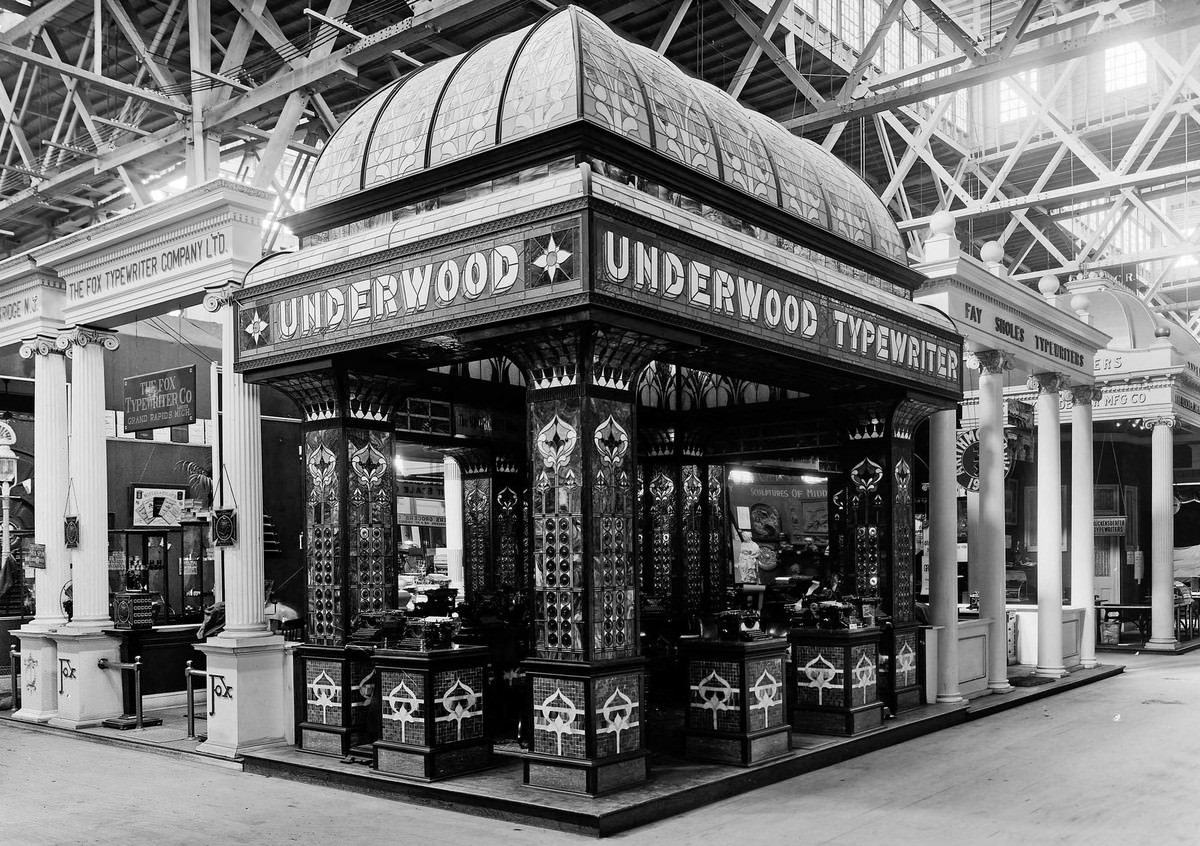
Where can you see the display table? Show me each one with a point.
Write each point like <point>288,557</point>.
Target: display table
<point>836,681</point>
<point>165,651</point>
<point>737,700</point>
<point>432,716</point>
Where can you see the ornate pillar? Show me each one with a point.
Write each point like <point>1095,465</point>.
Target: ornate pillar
<point>245,661</point>
<point>39,652</point>
<point>349,519</point>
<point>992,365</point>
<point>1049,526</point>
<point>874,532</point>
<point>87,694</point>
<point>494,526</point>
<point>1162,534</point>
<point>453,487</point>
<point>1083,540</point>
<point>587,675</point>
<point>943,558</point>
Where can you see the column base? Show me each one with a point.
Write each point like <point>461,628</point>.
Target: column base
<point>245,694</point>
<point>1163,644</point>
<point>39,676</point>
<point>949,698</point>
<point>1089,663</point>
<point>87,695</point>
<point>1050,672</point>
<point>1000,687</point>
<point>588,726</point>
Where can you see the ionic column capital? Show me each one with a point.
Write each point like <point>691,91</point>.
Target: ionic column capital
<point>216,297</point>
<point>1085,394</point>
<point>44,343</point>
<point>74,337</point>
<point>1148,423</point>
<point>992,362</point>
<point>1047,383</point>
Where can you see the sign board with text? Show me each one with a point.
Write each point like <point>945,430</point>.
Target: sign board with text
<point>161,399</point>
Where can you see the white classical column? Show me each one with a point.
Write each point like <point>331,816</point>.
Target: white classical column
<point>943,558</point>
<point>1049,531</point>
<point>87,693</point>
<point>39,651</point>
<point>992,365</point>
<point>246,664</point>
<point>50,439</point>
<point>237,481</point>
<point>1083,538</point>
<point>88,496</point>
<point>218,555</point>
<point>453,487</point>
<point>1162,534</point>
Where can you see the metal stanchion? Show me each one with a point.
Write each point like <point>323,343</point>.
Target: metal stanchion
<point>189,674</point>
<point>14,675</point>
<point>125,721</point>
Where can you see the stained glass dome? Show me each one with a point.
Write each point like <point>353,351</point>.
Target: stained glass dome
<point>569,67</point>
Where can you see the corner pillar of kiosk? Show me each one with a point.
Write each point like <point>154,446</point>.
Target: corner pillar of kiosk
<point>349,519</point>
<point>873,532</point>
<point>587,675</point>
<point>87,693</point>
<point>495,528</point>
<point>245,661</point>
<point>39,650</point>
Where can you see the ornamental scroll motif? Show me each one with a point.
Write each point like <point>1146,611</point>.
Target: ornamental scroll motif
<point>81,336</point>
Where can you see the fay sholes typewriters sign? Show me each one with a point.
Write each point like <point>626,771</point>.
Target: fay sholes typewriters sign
<point>157,400</point>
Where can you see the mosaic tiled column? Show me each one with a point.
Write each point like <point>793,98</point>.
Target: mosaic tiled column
<point>349,525</point>
<point>432,712</point>
<point>682,529</point>
<point>737,700</point>
<point>494,541</point>
<point>873,533</point>
<point>587,677</point>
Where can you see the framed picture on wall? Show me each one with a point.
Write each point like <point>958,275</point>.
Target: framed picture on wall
<point>157,505</point>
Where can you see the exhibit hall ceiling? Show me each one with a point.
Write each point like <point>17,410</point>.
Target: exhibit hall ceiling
<point>1066,130</point>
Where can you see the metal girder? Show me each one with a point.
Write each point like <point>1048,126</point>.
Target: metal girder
<point>145,95</point>
<point>671,26</point>
<point>1175,17</point>
<point>789,69</point>
<point>778,9</point>
<point>949,25</point>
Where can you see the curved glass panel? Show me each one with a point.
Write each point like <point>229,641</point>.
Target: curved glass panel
<point>542,90</point>
<point>338,171</point>
<point>466,119</point>
<point>681,127</point>
<point>848,214</point>
<point>398,144</point>
<point>887,234</point>
<point>612,96</point>
<point>799,187</point>
<point>743,157</point>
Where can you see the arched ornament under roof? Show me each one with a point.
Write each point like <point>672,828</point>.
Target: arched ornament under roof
<point>570,67</point>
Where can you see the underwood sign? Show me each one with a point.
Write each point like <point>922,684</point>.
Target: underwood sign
<point>157,400</point>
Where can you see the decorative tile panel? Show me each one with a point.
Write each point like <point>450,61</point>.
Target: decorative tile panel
<point>613,612</point>
<point>715,700</point>
<point>323,692</point>
<point>618,717</point>
<point>559,717</point>
<point>458,704</point>
<point>765,681</point>
<point>403,704</point>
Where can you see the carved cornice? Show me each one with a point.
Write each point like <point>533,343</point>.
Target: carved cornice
<point>1148,423</point>
<point>81,336</point>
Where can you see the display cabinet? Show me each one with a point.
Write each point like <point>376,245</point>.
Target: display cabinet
<point>174,565</point>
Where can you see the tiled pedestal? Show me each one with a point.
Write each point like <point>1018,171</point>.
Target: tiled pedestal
<point>588,731</point>
<point>432,721</point>
<point>332,698</point>
<point>836,681</point>
<point>737,692</point>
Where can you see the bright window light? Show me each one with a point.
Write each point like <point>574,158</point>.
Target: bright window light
<point>1012,105</point>
<point>1125,67</point>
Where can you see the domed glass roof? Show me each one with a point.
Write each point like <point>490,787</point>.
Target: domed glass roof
<point>570,66</point>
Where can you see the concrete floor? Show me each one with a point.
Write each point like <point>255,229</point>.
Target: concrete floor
<point>1109,762</point>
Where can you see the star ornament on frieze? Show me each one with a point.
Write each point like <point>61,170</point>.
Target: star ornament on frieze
<point>257,329</point>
